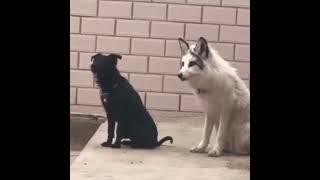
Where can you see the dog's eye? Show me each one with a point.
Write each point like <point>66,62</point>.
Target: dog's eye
<point>182,64</point>
<point>192,63</point>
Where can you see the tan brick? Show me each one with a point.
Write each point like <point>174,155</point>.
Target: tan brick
<point>236,3</point>
<point>82,42</point>
<point>242,52</point>
<point>73,60</point>
<point>97,26</point>
<point>113,44</point>
<point>146,82</point>
<point>80,78</point>
<point>164,65</point>
<point>154,11</point>
<point>243,17</point>
<point>194,31</point>
<point>74,24</point>
<point>167,30</point>
<point>147,47</point>
<point>184,13</point>
<point>190,103</point>
<point>87,109</point>
<point>72,95</point>
<point>173,48</point>
<point>133,63</point>
<point>243,69</point>
<point>85,60</point>
<point>235,34</point>
<point>88,96</point>
<point>142,97</point>
<point>174,84</point>
<point>135,28</point>
<point>224,49</point>
<point>162,101</point>
<point>192,42</point>
<point>169,1</point>
<point>95,85</point>
<point>115,9</point>
<point>247,82</point>
<point>219,15</point>
<point>83,7</point>
<point>204,2</point>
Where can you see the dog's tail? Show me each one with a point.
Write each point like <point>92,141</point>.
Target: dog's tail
<point>165,139</point>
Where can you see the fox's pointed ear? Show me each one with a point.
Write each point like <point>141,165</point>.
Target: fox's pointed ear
<point>202,48</point>
<point>184,46</point>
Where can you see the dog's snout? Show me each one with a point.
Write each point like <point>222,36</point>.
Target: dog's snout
<point>180,76</point>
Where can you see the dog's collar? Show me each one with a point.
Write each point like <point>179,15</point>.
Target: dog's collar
<point>201,91</point>
<point>105,95</point>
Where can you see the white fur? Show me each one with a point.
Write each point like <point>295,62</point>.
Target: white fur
<point>226,102</point>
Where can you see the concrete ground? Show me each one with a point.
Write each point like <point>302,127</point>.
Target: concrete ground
<point>170,161</point>
<point>81,130</point>
<point>73,155</point>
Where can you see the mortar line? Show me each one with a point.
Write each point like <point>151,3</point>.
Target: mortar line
<point>157,38</point>
<point>132,10</point>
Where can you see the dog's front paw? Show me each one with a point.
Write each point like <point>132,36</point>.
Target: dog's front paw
<point>118,146</point>
<point>198,149</point>
<point>107,144</point>
<point>215,152</point>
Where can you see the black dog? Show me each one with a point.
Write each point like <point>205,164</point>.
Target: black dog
<point>123,105</point>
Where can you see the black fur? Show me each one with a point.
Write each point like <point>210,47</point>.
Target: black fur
<point>124,106</point>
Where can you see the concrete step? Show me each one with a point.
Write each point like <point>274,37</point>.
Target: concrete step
<point>169,161</point>
<point>73,156</point>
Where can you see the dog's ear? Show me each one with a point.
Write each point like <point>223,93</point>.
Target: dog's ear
<point>95,56</point>
<point>202,48</point>
<point>184,46</point>
<point>114,58</point>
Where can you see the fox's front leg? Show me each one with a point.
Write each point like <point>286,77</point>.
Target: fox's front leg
<point>221,134</point>
<point>207,131</point>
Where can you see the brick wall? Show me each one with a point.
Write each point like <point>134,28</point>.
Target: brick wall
<point>145,32</point>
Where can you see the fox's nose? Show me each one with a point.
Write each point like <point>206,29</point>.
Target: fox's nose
<point>180,76</point>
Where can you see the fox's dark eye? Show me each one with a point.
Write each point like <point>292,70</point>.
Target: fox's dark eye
<point>182,64</point>
<point>192,63</point>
